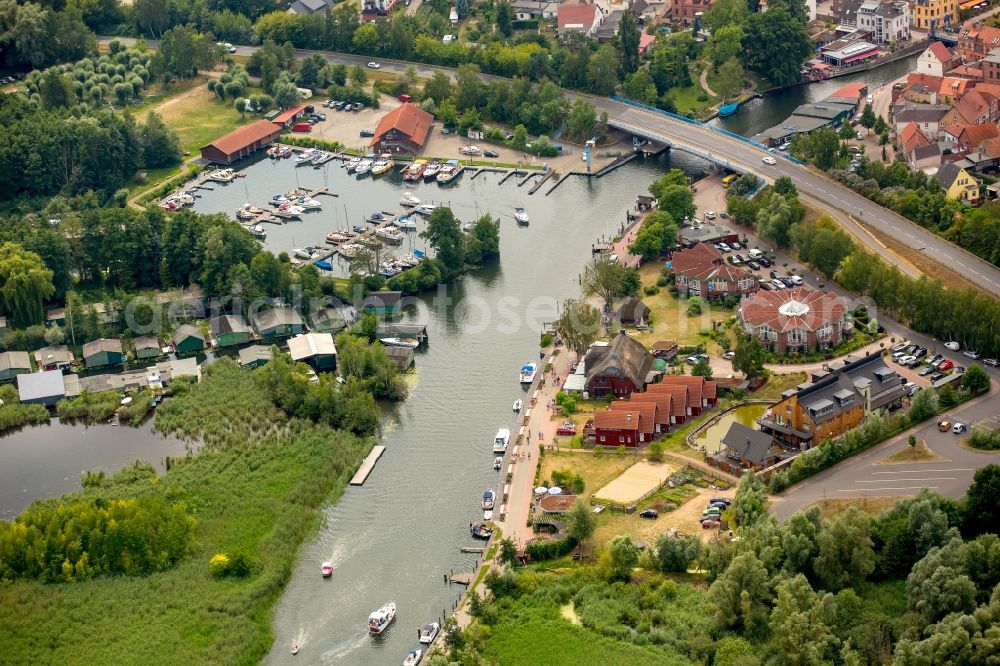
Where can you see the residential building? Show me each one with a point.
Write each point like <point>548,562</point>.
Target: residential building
<point>579,17</point>
<point>56,357</point>
<point>936,60</point>
<point>402,130</point>
<point>958,184</point>
<point>663,402</point>
<point>927,158</point>
<point>645,419</point>
<point>617,368</point>
<point>991,66</point>
<point>973,108</point>
<point>146,346</point>
<point>632,312</point>
<point>702,394</point>
<point>310,6</point>
<point>886,22</point>
<point>976,40</point>
<point>102,352</point>
<point>617,428</point>
<point>279,322</point>
<point>833,402</point>
<point>910,137</point>
<point>527,10</point>
<point>373,9</point>
<point>187,339</point>
<point>745,449</point>
<point>962,139</point>
<point>290,116</point>
<point>229,330</point>
<point>14,363</point>
<point>329,320</point>
<point>646,42</point>
<point>680,399</point>
<point>255,356</point>
<point>684,11</point>
<point>609,27</point>
<point>795,320</point>
<point>241,142</point>
<point>665,349</point>
<point>936,14</point>
<point>926,116</point>
<point>46,387</point>
<point>702,271</point>
<point>383,303</point>
<point>316,349</point>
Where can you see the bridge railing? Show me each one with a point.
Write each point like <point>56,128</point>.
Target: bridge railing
<point>718,130</point>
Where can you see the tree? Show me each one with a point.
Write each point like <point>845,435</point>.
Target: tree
<point>880,125</point>
<point>285,93</point>
<point>822,146</point>
<point>730,78</point>
<point>776,45</point>
<point>55,90</point>
<point>868,116</point>
<point>444,234</point>
<point>702,369</point>
<point>800,631</point>
<point>846,131</point>
<point>912,441</point>
<point>657,234</point>
<point>508,551</point>
<point>982,514</point>
<point>639,86</point>
<point>602,71</point>
<point>774,221</point>
<point>505,18</point>
<point>846,555</point>
<point>365,39</point>
<point>740,595</point>
<point>749,505</point>
<point>822,245</point>
<point>628,43</point>
<point>623,557</point>
<point>580,522</point>
<point>749,357</point>
<point>358,76</point>
<point>677,201</point>
<point>975,380</point>
<point>675,554</point>
<point>726,44</point>
<point>604,279</point>
<point>578,325</point>
<point>25,284</point>
<point>582,121</point>
<point>923,406</point>
<point>438,87</point>
<point>160,145</point>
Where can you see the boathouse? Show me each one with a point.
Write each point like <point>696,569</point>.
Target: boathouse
<point>280,322</point>
<point>403,130</point>
<point>103,351</point>
<point>329,320</point>
<point>401,356</point>
<point>14,363</point>
<point>255,356</point>
<point>44,388</point>
<point>146,346</point>
<point>55,357</point>
<point>316,349</point>
<point>229,330</point>
<point>187,339</point>
<point>241,142</point>
<point>617,368</point>
<point>383,303</point>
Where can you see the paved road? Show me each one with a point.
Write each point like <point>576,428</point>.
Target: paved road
<point>862,476</point>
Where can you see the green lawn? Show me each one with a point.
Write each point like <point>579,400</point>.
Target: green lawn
<point>199,117</point>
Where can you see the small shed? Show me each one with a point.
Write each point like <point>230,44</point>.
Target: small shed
<point>280,322</point>
<point>229,330</point>
<point>55,357</point>
<point>255,356</point>
<point>102,352</point>
<point>316,349</point>
<point>383,303</point>
<point>146,346</point>
<point>41,388</point>
<point>747,448</point>
<point>633,312</point>
<point>329,320</point>
<point>14,363</point>
<point>55,317</point>
<point>665,349</point>
<point>187,339</point>
<point>401,356</point>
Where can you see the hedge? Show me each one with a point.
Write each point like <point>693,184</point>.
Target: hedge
<point>547,549</point>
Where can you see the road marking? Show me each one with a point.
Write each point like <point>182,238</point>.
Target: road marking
<point>868,490</point>
<point>930,478</point>
<point>924,471</point>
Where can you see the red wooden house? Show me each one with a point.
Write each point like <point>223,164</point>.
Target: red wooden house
<point>617,428</point>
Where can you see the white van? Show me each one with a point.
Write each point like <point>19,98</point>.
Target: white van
<point>755,254</point>
<point>796,280</point>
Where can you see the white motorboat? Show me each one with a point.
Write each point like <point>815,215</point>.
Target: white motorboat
<point>380,620</point>
<point>489,499</point>
<point>425,209</point>
<point>410,260</point>
<point>405,223</point>
<point>352,164</point>
<point>308,203</point>
<point>521,215</point>
<point>497,463</point>
<point>390,235</point>
<point>304,252</point>
<point>409,199</point>
<point>257,231</point>
<point>500,440</point>
<point>429,632</point>
<point>400,342</point>
<point>528,371</point>
<point>518,404</point>
<point>414,657</point>
<point>295,649</point>
<point>326,569</point>
<point>431,170</point>
<point>363,167</point>
<point>382,165</point>
<point>222,175</point>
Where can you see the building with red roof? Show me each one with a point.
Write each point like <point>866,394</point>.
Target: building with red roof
<point>646,42</point>
<point>963,138</point>
<point>664,407</point>
<point>974,108</point>
<point>646,411</point>
<point>288,117</point>
<point>618,428</point>
<point>936,60</point>
<point>403,130</point>
<point>976,40</point>
<point>795,320</point>
<point>241,142</point>
<point>579,17</point>
<point>702,271</point>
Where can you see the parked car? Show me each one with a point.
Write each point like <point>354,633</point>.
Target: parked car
<point>490,153</point>
<point>992,362</point>
<point>915,363</point>
<point>720,500</point>
<point>958,369</point>
<point>766,286</point>
<point>567,428</point>
<point>735,259</point>
<point>934,360</point>
<point>470,150</point>
<point>903,360</point>
<point>910,386</point>
<point>774,275</point>
<point>959,428</point>
<point>920,353</point>
<point>900,347</point>
<point>765,262</point>
<point>649,513</point>
<point>729,355</point>
<point>740,258</point>
<point>796,280</point>
<point>944,425</point>
<point>754,265</point>
<point>926,371</point>
<point>945,365</point>
<point>952,345</point>
<point>777,284</point>
<point>724,248</point>
<point>709,523</point>
<point>691,360</point>
<point>374,65</point>
<point>736,246</point>
<point>710,214</point>
<point>971,354</point>
<point>367,133</point>
<point>936,376</point>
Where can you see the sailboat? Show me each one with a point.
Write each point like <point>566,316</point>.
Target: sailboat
<point>728,109</point>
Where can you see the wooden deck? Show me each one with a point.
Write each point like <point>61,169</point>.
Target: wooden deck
<point>367,466</point>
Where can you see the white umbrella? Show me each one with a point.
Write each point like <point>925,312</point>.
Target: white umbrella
<point>555,490</point>
<point>541,490</point>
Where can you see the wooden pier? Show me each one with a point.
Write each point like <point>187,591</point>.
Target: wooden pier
<point>527,178</point>
<point>512,172</point>
<point>548,174</point>
<point>465,579</point>
<point>367,466</point>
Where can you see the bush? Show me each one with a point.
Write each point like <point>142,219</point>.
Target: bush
<point>651,290</point>
<point>985,439</point>
<point>548,549</point>
<point>664,281</point>
<point>546,340</point>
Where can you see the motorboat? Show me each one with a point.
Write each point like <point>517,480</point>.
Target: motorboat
<point>380,620</point>
<point>429,632</point>
<point>431,170</point>
<point>305,156</point>
<point>390,235</point>
<point>414,657</point>
<point>410,260</point>
<point>340,236</point>
<point>348,250</point>
<point>222,175</point>
<point>415,171</point>
<point>728,109</point>
<point>285,152</point>
<point>409,199</point>
<point>528,371</point>
<point>382,165</point>
<point>377,217</point>
<point>305,252</point>
<point>326,569</point>
<point>323,264</point>
<point>406,223</point>
<point>308,203</point>
<point>291,209</point>
<point>489,499</point>
<point>449,172</point>
<point>352,164</point>
<point>479,531</point>
<point>467,226</point>
<point>409,343</point>
<point>488,515</point>
<point>497,463</point>
<point>363,167</point>
<point>295,649</point>
<point>321,158</point>
<point>521,216</point>
<point>518,404</point>
<point>257,231</point>
<point>500,440</point>
<point>425,209</point>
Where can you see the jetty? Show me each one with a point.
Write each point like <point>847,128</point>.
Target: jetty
<point>548,174</point>
<point>367,466</point>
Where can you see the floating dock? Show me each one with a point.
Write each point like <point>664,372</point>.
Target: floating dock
<point>367,466</point>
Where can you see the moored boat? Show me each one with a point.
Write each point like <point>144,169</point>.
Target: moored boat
<point>728,109</point>
<point>449,172</point>
<point>380,620</point>
<point>429,632</point>
<point>409,343</point>
<point>308,203</point>
<point>528,371</point>
<point>489,499</point>
<point>409,199</point>
<point>480,531</point>
<point>340,236</point>
<point>382,165</point>
<point>305,156</point>
<point>257,231</point>
<point>500,440</point>
<point>415,171</point>
<point>425,209</point>
<point>431,170</point>
<point>304,252</point>
<point>390,235</point>
<point>518,404</point>
<point>363,167</point>
<point>414,657</point>
<point>352,164</point>
<point>497,463</point>
<point>405,223</point>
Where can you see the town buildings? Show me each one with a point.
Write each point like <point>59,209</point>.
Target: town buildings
<point>795,320</point>
<point>702,271</point>
<point>579,17</point>
<point>884,22</point>
<point>618,367</point>
<point>958,184</point>
<point>402,130</point>
<point>936,60</point>
<point>279,322</point>
<point>241,142</point>
<point>976,40</point>
<point>928,14</point>
<point>684,11</point>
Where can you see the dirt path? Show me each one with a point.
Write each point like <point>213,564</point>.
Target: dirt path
<point>703,82</point>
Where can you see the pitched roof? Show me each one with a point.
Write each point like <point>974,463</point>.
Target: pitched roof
<point>972,106</point>
<point>921,113</point>
<point>288,114</point>
<point>42,384</point>
<point>923,152</point>
<point>307,345</point>
<point>625,356</point>
<point>255,353</point>
<point>244,136</point>
<point>940,51</point>
<point>747,443</point>
<point>577,16</point>
<point>831,390</point>
<point>788,309</point>
<point>102,345</point>
<point>228,324</point>
<point>384,299</point>
<point>663,402</point>
<point>680,396</point>
<point>53,354</point>
<point>991,147</point>
<point>15,360</point>
<point>852,90</point>
<point>912,136</point>
<point>694,384</point>
<point>408,119</point>
<point>146,342</point>
<point>976,134</point>
<point>983,33</point>
<point>646,410</point>
<point>187,331</point>
<point>947,174</point>
<point>617,420</point>
<point>703,262</point>
<point>632,309</point>
<point>276,317</point>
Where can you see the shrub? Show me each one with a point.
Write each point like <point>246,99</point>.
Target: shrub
<point>546,340</point>
<point>218,565</point>
<point>651,290</point>
<point>547,549</point>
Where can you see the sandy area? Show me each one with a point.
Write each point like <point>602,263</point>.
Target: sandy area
<point>638,481</point>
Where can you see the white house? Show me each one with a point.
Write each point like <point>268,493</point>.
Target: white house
<point>579,18</point>
<point>885,21</point>
<point>935,60</point>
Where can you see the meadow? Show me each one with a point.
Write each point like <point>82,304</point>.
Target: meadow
<point>253,490</point>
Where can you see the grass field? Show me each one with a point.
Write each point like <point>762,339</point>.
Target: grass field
<point>778,384</point>
<point>596,470</point>
<point>921,453</point>
<point>199,117</point>
<point>669,315</point>
<point>872,506</point>
<point>253,490</point>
